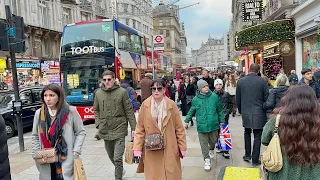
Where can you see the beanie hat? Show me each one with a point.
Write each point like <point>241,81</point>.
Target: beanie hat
<point>202,83</point>
<point>218,81</point>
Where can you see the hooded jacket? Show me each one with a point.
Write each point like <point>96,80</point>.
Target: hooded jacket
<point>274,98</point>
<point>113,110</point>
<point>208,110</point>
<point>226,101</point>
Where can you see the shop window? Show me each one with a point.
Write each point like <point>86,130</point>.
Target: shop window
<point>311,52</point>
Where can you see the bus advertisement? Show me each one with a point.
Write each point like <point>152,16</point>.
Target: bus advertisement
<point>88,49</point>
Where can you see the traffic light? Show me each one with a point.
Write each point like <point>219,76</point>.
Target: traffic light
<point>4,43</point>
<point>18,25</point>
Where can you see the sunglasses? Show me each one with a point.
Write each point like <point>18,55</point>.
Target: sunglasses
<point>105,80</point>
<point>154,89</point>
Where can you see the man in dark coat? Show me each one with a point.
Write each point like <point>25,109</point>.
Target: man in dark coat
<point>208,79</point>
<point>4,159</point>
<point>252,92</point>
<point>309,80</point>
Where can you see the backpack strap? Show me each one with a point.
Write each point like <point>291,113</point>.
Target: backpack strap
<point>276,127</point>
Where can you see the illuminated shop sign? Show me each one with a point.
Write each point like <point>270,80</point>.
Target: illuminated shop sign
<point>28,65</point>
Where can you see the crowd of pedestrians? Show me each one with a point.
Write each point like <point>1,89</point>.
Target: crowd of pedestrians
<point>160,133</point>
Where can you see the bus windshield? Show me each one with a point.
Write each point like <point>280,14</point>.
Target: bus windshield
<point>87,50</point>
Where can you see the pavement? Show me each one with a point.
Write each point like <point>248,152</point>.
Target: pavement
<point>98,166</point>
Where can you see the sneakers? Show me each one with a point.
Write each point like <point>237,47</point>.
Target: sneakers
<point>211,154</point>
<point>226,154</point>
<point>207,165</point>
<point>246,158</point>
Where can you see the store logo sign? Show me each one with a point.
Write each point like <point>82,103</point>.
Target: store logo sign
<point>87,50</point>
<point>28,65</point>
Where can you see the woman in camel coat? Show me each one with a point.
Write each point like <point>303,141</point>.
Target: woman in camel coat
<point>159,111</point>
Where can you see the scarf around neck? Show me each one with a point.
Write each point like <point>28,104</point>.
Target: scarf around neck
<point>51,136</point>
<point>159,112</point>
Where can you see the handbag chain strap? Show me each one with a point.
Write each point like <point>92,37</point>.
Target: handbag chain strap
<point>164,129</point>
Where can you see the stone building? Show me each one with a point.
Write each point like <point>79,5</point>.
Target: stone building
<point>210,54</point>
<point>166,23</point>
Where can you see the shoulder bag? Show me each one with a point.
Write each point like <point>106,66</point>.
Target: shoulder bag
<point>155,142</point>
<point>272,157</point>
<point>47,156</point>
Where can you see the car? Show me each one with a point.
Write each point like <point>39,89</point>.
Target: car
<point>31,101</point>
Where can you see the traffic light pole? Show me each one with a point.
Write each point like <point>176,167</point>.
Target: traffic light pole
<point>14,74</point>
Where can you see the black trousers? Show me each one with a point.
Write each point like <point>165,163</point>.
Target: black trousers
<point>185,107</point>
<point>256,143</point>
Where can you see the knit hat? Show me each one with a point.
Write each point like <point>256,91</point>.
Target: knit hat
<point>218,81</point>
<point>202,83</point>
<point>148,75</point>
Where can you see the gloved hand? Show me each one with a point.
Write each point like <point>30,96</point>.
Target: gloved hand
<point>137,153</point>
<point>184,153</point>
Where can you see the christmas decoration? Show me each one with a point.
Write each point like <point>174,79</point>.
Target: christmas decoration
<point>267,32</point>
<point>271,67</point>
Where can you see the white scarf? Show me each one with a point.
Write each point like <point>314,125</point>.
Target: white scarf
<point>159,111</point>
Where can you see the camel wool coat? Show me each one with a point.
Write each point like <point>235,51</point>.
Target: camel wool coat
<point>161,164</point>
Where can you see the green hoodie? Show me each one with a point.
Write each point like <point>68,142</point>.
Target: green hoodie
<point>113,110</point>
<point>208,110</point>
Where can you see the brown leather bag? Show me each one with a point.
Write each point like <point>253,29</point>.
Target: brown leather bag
<point>47,156</point>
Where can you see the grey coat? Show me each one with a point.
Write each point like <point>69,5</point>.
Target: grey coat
<point>252,91</point>
<point>74,135</point>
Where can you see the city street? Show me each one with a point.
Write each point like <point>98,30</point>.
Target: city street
<point>98,166</point>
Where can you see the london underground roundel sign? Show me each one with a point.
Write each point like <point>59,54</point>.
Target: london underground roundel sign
<point>158,39</point>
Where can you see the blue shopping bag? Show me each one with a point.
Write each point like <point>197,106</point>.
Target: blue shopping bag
<point>224,139</point>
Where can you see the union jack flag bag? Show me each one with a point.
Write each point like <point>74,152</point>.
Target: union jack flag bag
<point>224,139</point>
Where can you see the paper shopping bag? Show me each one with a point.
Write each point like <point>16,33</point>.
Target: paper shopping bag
<point>129,153</point>
<point>224,139</point>
<point>79,173</point>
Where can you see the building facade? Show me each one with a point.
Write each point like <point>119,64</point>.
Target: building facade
<point>44,21</point>
<point>166,23</point>
<point>307,34</point>
<point>183,44</point>
<point>138,15</point>
<point>210,54</point>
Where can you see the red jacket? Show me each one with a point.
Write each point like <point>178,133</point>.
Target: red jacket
<point>167,92</point>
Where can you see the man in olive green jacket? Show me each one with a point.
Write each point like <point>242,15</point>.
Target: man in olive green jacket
<point>113,110</point>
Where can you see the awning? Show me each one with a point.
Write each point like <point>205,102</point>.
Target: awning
<point>128,60</point>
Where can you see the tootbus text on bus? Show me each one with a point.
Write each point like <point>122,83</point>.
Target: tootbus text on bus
<point>88,49</point>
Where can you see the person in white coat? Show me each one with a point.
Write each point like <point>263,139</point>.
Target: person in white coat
<point>57,125</point>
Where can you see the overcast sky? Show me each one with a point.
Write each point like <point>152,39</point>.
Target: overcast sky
<point>209,17</point>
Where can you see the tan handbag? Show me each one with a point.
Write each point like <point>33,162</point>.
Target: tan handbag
<point>272,157</point>
<point>47,156</point>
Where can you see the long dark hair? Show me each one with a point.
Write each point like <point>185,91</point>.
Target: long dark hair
<point>300,126</point>
<point>59,91</point>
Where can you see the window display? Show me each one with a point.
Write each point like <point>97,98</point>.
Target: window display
<point>311,52</point>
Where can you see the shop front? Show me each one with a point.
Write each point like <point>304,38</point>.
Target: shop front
<point>270,45</point>
<point>307,35</point>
